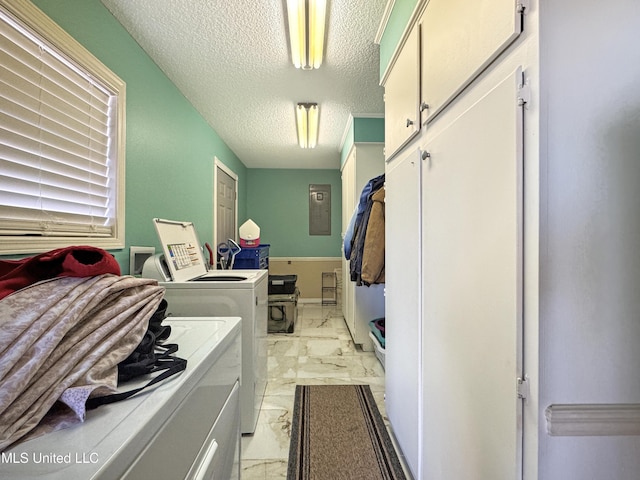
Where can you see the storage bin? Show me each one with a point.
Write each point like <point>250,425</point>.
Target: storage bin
<point>377,348</point>
<point>377,328</point>
<point>282,284</point>
<point>252,258</point>
<point>283,312</point>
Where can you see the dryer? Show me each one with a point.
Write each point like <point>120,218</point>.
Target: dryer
<point>185,427</point>
<point>191,290</point>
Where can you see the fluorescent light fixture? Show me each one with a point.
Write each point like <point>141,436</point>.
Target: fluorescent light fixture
<point>307,123</point>
<point>306,32</point>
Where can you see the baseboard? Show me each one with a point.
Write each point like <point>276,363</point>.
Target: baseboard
<point>310,300</point>
<point>316,300</point>
<point>593,419</point>
<point>305,259</point>
<point>309,272</point>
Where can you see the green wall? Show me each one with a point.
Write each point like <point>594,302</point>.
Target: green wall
<point>362,129</point>
<point>169,146</point>
<point>402,11</point>
<point>278,201</point>
<point>368,129</point>
<point>346,146</point>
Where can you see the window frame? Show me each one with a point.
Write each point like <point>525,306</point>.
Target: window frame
<point>36,20</point>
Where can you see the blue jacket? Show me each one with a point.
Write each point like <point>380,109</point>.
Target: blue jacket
<point>371,186</point>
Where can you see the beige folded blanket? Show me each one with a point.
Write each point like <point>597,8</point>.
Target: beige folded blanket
<point>60,343</point>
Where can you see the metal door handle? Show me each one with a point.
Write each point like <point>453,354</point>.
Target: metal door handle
<point>409,122</point>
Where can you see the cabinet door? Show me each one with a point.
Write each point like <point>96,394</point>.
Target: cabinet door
<point>348,206</point>
<point>459,39</point>
<point>402,296</point>
<point>472,290</point>
<point>402,95</point>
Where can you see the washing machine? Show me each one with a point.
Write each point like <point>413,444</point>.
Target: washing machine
<point>193,290</point>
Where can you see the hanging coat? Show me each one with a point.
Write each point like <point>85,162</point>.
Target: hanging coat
<point>371,186</point>
<point>359,234</point>
<point>373,252</point>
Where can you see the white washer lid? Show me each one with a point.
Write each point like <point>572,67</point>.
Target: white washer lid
<point>181,249</point>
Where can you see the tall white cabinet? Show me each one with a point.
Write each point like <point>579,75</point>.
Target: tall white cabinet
<point>403,329</point>
<point>360,304</point>
<point>472,268</point>
<point>454,336</point>
<point>512,333</point>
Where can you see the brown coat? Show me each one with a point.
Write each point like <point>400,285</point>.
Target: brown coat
<point>373,253</point>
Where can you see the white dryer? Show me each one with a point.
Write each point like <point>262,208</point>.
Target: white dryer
<point>191,290</point>
<point>185,427</point>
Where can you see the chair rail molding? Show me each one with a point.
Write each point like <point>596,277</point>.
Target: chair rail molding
<point>593,419</point>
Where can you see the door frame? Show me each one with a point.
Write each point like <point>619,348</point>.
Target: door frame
<point>217,164</point>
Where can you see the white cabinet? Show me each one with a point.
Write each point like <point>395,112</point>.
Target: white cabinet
<point>459,40</point>
<point>403,300</point>
<point>472,276</point>
<point>402,95</point>
<point>360,304</point>
<point>453,294</point>
<point>454,249</point>
<point>528,250</point>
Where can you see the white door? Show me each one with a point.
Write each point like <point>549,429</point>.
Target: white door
<point>225,203</point>
<point>402,304</point>
<point>472,302</point>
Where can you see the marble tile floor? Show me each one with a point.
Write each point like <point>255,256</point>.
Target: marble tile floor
<point>320,351</point>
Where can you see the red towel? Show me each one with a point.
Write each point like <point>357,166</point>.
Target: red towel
<point>77,261</point>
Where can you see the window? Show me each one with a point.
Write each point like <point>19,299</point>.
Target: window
<point>61,139</point>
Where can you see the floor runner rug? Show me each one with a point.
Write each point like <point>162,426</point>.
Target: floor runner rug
<point>338,433</point>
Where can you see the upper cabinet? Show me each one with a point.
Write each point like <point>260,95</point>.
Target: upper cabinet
<point>402,96</point>
<point>460,39</point>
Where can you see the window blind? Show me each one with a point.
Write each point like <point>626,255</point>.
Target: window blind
<point>58,157</point>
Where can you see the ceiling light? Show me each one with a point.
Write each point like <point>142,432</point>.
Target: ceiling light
<point>307,123</point>
<point>306,32</point>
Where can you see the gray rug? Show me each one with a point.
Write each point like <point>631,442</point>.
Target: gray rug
<point>338,433</point>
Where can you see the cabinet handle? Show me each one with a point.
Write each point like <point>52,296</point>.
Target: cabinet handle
<point>409,122</point>
<point>424,106</point>
<point>425,155</point>
<point>206,461</point>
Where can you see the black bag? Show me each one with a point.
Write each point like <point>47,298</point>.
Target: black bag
<point>150,356</point>
<point>160,331</point>
<point>144,359</point>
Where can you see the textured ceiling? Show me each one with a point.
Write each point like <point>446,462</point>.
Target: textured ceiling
<point>231,60</point>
